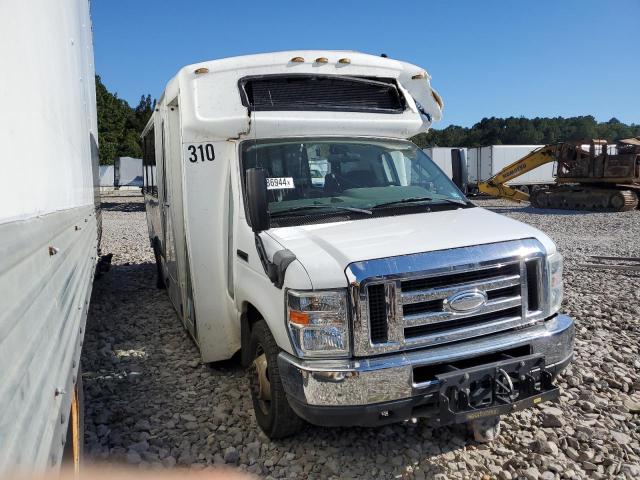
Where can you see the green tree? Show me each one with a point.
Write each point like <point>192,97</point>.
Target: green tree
<point>524,131</point>
<point>119,125</point>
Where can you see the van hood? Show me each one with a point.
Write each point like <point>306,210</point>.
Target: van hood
<point>325,250</point>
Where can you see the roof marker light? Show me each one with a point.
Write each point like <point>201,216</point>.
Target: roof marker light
<point>418,76</point>
<point>201,70</point>
<point>321,60</point>
<point>297,60</point>
<point>344,60</point>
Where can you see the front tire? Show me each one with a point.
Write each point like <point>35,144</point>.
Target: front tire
<point>273,413</point>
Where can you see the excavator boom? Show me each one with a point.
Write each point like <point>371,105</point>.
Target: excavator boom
<point>496,186</point>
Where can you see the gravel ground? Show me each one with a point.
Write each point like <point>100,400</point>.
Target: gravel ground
<point>149,401</point>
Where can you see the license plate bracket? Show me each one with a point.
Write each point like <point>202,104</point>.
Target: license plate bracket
<point>495,388</point>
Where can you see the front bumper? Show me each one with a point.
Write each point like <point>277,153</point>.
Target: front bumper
<point>364,391</point>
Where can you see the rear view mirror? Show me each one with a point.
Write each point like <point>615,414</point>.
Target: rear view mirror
<point>257,202</point>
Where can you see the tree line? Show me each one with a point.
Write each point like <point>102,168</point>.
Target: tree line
<point>526,131</point>
<point>120,126</point>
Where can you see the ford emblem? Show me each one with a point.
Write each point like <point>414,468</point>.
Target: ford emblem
<point>466,301</point>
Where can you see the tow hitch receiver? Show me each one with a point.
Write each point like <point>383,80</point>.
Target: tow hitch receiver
<point>494,389</point>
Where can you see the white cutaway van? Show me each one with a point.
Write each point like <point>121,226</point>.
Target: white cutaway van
<point>293,221</point>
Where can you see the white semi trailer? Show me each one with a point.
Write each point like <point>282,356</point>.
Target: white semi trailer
<point>49,227</point>
<point>441,156</point>
<point>366,292</point>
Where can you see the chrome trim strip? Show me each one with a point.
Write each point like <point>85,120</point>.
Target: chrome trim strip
<point>491,306</point>
<point>467,331</point>
<point>390,377</point>
<point>439,262</point>
<point>426,295</point>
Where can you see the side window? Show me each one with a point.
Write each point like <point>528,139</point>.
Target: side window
<point>149,163</point>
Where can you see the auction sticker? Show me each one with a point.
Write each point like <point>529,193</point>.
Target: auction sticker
<point>280,183</point>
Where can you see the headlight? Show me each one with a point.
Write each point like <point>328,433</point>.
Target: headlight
<point>318,322</point>
<point>554,275</point>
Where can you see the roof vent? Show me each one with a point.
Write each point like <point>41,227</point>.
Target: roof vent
<point>321,92</point>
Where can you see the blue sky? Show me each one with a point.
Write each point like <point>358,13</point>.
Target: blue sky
<point>487,58</point>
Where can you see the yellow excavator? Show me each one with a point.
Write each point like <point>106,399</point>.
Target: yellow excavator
<point>585,180</point>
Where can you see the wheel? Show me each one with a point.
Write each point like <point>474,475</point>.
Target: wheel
<point>273,412</point>
<point>485,430</point>
<point>160,284</point>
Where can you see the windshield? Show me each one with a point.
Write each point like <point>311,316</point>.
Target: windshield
<point>331,174</point>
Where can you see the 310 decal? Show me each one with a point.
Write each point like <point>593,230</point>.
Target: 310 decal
<point>201,153</point>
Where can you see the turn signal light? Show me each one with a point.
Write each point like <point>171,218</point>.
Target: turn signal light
<point>297,60</point>
<point>418,76</point>
<point>200,70</point>
<point>344,60</point>
<point>322,60</point>
<point>299,318</point>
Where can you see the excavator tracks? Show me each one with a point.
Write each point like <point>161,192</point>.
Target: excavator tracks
<point>586,199</point>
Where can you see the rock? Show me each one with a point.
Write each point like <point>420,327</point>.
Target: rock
<point>555,467</point>
<point>133,457</point>
<point>503,452</point>
<point>620,438</point>
<point>572,453</point>
<point>143,425</point>
<point>552,418</point>
<point>531,473</point>
<point>505,475</point>
<point>551,448</point>
<point>231,455</point>
<point>139,447</point>
<point>630,471</point>
<point>187,417</point>
<point>633,407</point>
<point>548,475</point>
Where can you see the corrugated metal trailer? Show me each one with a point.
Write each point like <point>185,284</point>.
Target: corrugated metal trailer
<point>49,226</point>
<point>484,162</point>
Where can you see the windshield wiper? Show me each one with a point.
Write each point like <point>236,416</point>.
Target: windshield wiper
<point>410,200</point>
<point>302,208</point>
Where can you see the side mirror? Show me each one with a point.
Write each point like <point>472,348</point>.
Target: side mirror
<point>257,202</point>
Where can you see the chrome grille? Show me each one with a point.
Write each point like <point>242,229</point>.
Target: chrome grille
<point>491,280</point>
<point>409,302</point>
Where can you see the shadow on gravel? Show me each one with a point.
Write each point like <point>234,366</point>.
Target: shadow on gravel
<point>137,206</point>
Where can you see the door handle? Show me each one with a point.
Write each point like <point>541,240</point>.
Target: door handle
<point>165,204</point>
